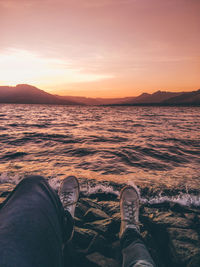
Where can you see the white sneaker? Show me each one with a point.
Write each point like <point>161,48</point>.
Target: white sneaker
<point>69,193</point>
<point>129,208</point>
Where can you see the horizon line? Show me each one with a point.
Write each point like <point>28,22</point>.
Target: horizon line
<point>99,97</point>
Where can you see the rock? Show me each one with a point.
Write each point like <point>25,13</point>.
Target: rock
<point>5,189</point>
<point>87,241</point>
<point>115,250</point>
<point>196,223</point>
<point>183,245</point>
<point>78,222</point>
<point>152,248</point>
<point>80,210</point>
<point>180,208</point>
<point>101,261</point>
<point>99,243</point>
<point>2,200</point>
<point>190,216</point>
<point>115,225</point>
<point>95,214</point>
<point>169,219</point>
<point>116,217</point>
<point>194,262</point>
<point>90,203</point>
<point>146,212</point>
<point>100,226</point>
<point>83,237</point>
<point>163,206</point>
<point>105,196</point>
<point>110,207</point>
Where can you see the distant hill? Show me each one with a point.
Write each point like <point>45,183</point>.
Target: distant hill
<point>156,97</point>
<point>27,94</point>
<point>164,98</point>
<point>185,98</point>
<point>95,101</point>
<point>81,100</point>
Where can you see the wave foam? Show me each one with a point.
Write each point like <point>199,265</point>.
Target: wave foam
<point>188,200</point>
<point>99,189</point>
<point>7,178</point>
<point>88,187</point>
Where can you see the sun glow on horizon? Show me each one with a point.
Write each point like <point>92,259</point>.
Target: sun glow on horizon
<point>107,48</point>
<point>22,66</point>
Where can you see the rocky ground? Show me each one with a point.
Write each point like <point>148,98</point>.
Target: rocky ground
<point>171,232</point>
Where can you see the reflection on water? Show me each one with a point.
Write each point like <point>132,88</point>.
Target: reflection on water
<point>148,145</point>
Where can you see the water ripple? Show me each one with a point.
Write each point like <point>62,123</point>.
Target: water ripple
<point>150,145</point>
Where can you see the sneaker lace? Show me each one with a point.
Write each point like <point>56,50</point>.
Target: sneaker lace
<point>67,198</point>
<point>130,212</point>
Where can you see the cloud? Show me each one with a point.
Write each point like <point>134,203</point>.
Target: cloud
<point>18,4</point>
<point>102,3</point>
<point>21,66</point>
<point>10,4</point>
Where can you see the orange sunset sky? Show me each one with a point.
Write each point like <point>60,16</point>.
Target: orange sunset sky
<point>101,48</point>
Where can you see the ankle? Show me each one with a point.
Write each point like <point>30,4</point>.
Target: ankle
<point>129,236</point>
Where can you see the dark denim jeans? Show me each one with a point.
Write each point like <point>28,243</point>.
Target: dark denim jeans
<point>33,226</point>
<point>134,251</point>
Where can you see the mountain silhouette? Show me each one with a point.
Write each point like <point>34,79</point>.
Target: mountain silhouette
<point>185,98</point>
<point>95,101</point>
<point>163,98</point>
<point>157,97</point>
<point>27,94</point>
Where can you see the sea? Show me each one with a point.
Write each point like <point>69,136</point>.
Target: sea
<point>156,149</point>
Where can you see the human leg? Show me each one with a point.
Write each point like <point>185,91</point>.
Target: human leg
<point>134,251</point>
<point>33,226</point>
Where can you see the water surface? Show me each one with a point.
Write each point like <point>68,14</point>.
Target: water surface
<point>157,146</point>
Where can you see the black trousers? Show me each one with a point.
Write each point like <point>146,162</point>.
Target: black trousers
<point>134,251</point>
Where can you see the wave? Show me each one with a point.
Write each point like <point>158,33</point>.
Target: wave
<point>40,137</point>
<point>188,200</point>
<point>154,146</point>
<point>184,199</point>
<point>109,190</point>
<point>80,152</point>
<point>7,178</point>
<point>13,155</point>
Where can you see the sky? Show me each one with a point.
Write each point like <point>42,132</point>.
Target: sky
<point>101,48</point>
